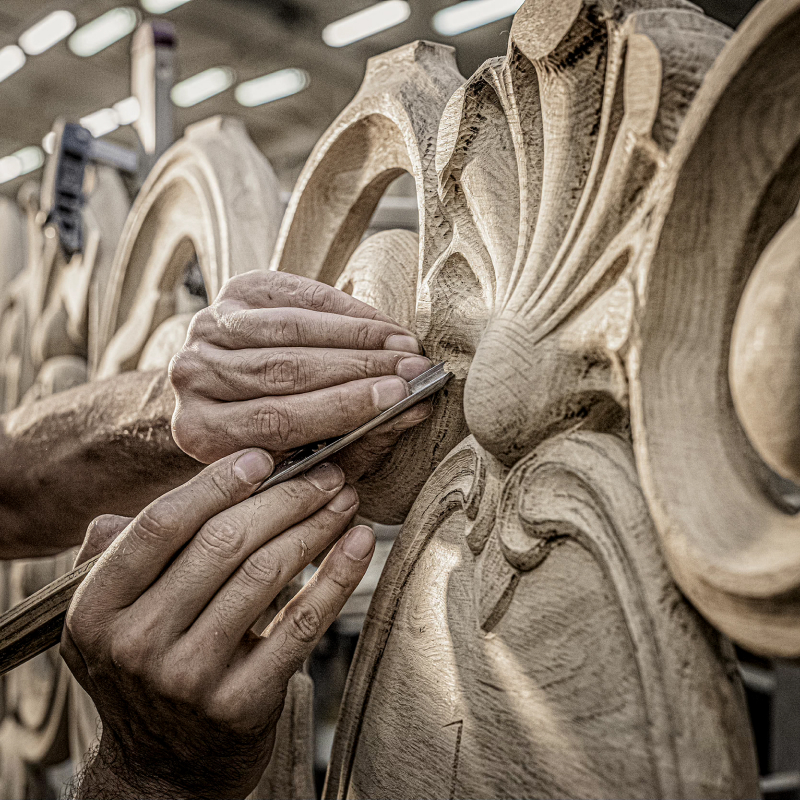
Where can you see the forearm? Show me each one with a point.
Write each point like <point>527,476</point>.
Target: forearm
<point>105,447</point>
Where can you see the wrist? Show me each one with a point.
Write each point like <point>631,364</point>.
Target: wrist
<point>107,776</point>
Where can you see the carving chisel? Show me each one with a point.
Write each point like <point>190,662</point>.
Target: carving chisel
<point>35,624</point>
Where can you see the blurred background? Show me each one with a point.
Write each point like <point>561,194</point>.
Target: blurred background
<point>71,59</point>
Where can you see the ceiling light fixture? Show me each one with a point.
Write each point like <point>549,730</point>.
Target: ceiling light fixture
<point>271,87</point>
<point>47,32</point>
<point>21,163</point>
<point>371,20</point>
<point>472,14</point>
<point>127,110</point>
<point>200,87</point>
<point>103,31</point>
<point>101,122</point>
<point>11,59</point>
<point>161,6</point>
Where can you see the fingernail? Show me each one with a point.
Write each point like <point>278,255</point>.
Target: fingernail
<point>358,543</point>
<point>389,391</point>
<point>326,476</point>
<point>408,344</point>
<point>410,368</point>
<point>253,466</point>
<point>345,500</point>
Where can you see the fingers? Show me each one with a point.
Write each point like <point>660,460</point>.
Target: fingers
<point>280,289</point>
<point>251,373</point>
<point>228,539</point>
<point>99,535</point>
<point>294,633</point>
<point>139,555</point>
<point>297,327</point>
<point>257,582</point>
<point>208,431</point>
<point>365,455</point>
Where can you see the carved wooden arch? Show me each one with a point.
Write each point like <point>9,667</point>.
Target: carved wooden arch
<point>212,195</point>
<point>728,526</point>
<point>526,638</point>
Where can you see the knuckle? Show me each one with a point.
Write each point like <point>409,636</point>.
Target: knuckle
<point>155,523</point>
<point>304,622</point>
<point>129,653</point>
<point>274,425</point>
<point>182,369</point>
<point>286,328</point>
<point>200,326</point>
<point>363,335</point>
<point>283,371</point>
<point>260,570</point>
<point>222,539</point>
<point>313,296</point>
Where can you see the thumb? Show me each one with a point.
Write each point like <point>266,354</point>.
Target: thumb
<point>99,535</point>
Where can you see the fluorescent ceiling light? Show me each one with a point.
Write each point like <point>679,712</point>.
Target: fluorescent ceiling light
<point>202,86</point>
<point>11,59</point>
<point>472,14</point>
<point>271,87</point>
<point>103,31</point>
<point>372,20</point>
<point>47,32</point>
<point>161,6</point>
<point>21,163</point>
<point>127,110</point>
<point>101,122</point>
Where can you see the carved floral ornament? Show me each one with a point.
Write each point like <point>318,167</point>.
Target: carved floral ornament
<point>591,208</point>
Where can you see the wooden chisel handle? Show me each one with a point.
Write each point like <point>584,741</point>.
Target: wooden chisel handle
<point>35,625</point>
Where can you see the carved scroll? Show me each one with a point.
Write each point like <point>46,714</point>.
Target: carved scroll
<point>526,638</point>
<point>727,523</point>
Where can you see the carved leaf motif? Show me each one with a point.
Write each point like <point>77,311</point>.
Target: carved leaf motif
<point>547,162</point>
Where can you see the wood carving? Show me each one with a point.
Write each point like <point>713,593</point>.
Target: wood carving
<point>709,343</point>
<point>526,638</point>
<point>211,197</point>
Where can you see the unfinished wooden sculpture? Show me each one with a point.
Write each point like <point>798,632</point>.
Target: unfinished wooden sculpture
<point>526,638</point>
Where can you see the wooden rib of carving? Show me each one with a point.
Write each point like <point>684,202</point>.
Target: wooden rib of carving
<point>732,540</point>
<point>591,678</point>
<point>212,195</point>
<point>389,127</point>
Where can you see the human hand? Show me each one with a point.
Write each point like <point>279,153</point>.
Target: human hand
<point>279,361</point>
<point>159,634</point>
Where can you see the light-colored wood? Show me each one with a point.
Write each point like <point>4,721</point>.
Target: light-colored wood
<point>212,196</point>
<point>727,523</point>
<point>526,638</point>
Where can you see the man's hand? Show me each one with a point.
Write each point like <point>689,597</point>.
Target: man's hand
<point>160,634</point>
<point>279,361</point>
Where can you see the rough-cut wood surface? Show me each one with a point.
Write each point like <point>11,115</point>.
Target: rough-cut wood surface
<point>732,185</point>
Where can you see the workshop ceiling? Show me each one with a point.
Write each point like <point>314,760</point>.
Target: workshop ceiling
<point>253,37</point>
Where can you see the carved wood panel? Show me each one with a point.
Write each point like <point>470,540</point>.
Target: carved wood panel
<point>526,638</point>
